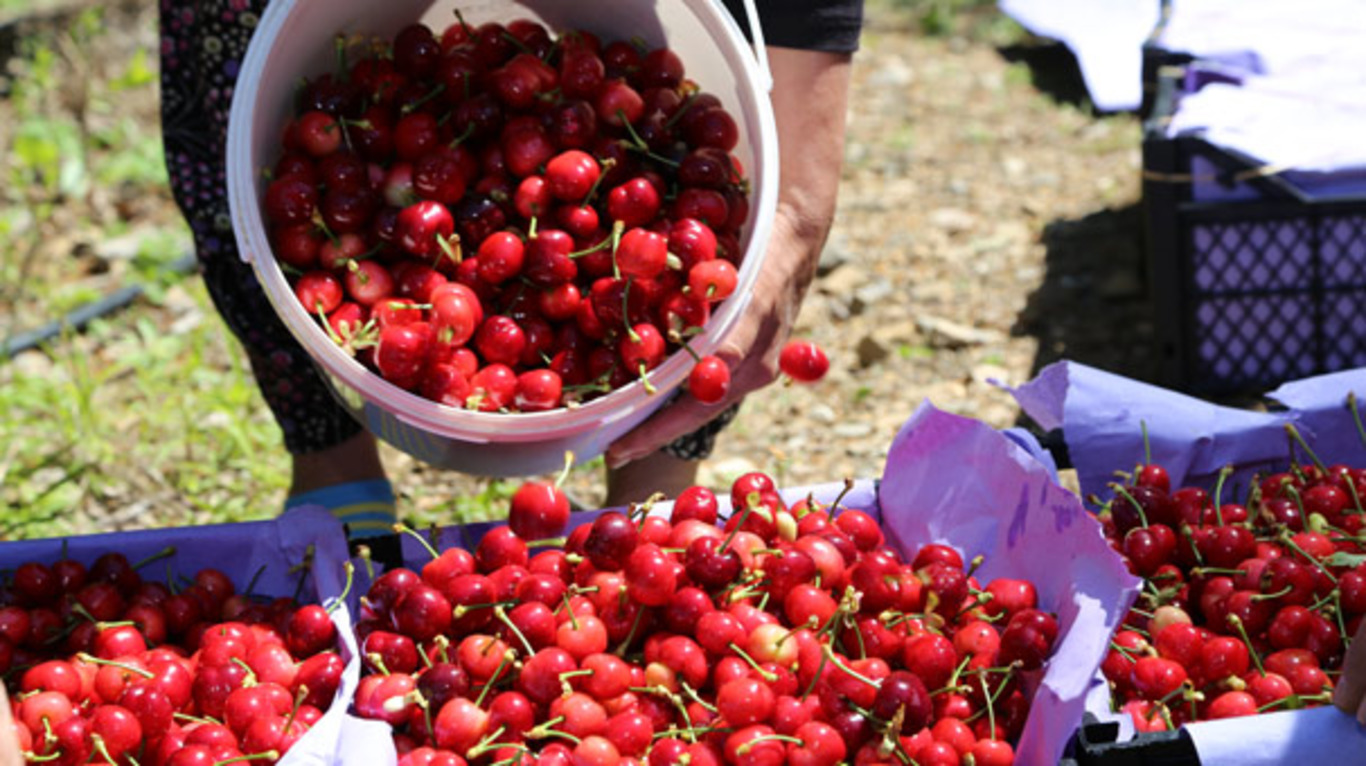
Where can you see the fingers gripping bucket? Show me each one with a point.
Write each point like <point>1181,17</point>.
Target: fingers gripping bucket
<point>296,38</point>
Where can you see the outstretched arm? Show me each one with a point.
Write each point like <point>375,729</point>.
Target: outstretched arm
<point>810,95</point>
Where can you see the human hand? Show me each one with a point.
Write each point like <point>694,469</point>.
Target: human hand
<point>750,351</point>
<point>11,754</point>
<point>1350,694</point>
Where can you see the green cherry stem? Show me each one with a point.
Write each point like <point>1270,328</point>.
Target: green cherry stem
<point>1224,473</point>
<point>1299,439</point>
<point>854,674</point>
<point>742,654</point>
<point>404,529</point>
<point>1122,492</point>
<point>166,552</point>
<point>502,616</point>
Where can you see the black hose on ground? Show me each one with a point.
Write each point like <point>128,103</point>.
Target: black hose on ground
<point>81,316</point>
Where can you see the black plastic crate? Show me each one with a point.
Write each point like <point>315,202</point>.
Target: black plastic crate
<point>1254,283</point>
<point>1094,745</point>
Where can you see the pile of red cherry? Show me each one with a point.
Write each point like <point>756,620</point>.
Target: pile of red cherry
<point>498,219</point>
<point>103,666</point>
<point>783,634</point>
<point>1246,606</point>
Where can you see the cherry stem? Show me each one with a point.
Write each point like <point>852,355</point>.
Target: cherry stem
<point>645,380</point>
<point>1356,497</point>
<point>569,609</point>
<point>93,660</point>
<point>833,507</point>
<point>1337,617</point>
<point>980,599</point>
<point>695,697</point>
<point>363,551</point>
<point>604,166</point>
<point>339,47</point>
<point>299,698</point>
<point>413,106</point>
<point>251,586</point>
<point>854,674</point>
<point>742,654</point>
<point>683,344</point>
<point>1356,415</point>
<point>1289,540</point>
<point>97,742</point>
<point>1147,447</point>
<point>1124,493</point>
<point>1237,623</point>
<point>453,252</point>
<point>819,670</point>
<point>1289,489</point>
<point>502,617</point>
<point>32,757</point>
<point>682,109</point>
<point>546,730</point>
<point>82,611</point>
<point>564,472</point>
<point>306,563</point>
<point>745,748</point>
<point>631,634</point>
<point>1124,651</point>
<point>161,554</point>
<point>350,570</point>
<point>460,19</point>
<point>957,672</point>
<point>1270,596</point>
<point>269,755</point>
<point>508,657</point>
<point>377,660</point>
<point>404,529</point>
<point>1295,434</point>
<point>639,143</point>
<point>1187,533</point>
<point>751,501</point>
<point>1224,473</point>
<point>461,610</point>
<point>489,742</point>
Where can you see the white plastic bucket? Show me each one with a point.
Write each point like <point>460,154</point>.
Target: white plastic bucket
<point>296,38</point>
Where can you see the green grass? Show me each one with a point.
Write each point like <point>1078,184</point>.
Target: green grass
<point>974,19</point>
<point>148,418</point>
<point>150,408</point>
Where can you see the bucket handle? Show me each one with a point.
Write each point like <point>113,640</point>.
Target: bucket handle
<point>756,31</point>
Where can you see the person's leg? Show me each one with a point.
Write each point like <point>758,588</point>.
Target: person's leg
<point>348,480</point>
<point>660,472</point>
<point>356,459</point>
<point>670,470</point>
<point>336,463</point>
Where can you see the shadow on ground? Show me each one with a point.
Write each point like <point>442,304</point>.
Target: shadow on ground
<point>1094,304</point>
<point>1053,68</point>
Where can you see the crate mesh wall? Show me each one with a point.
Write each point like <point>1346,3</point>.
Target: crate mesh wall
<point>1274,300</point>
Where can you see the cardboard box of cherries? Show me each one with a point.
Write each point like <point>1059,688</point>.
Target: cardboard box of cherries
<point>1246,529</point>
<point>954,611</point>
<point>192,645</point>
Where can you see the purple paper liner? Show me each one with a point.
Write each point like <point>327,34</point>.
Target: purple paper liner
<point>240,551</point>
<point>954,480</point>
<point>1102,417</point>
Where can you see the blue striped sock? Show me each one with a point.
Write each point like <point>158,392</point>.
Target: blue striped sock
<point>365,507</point>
